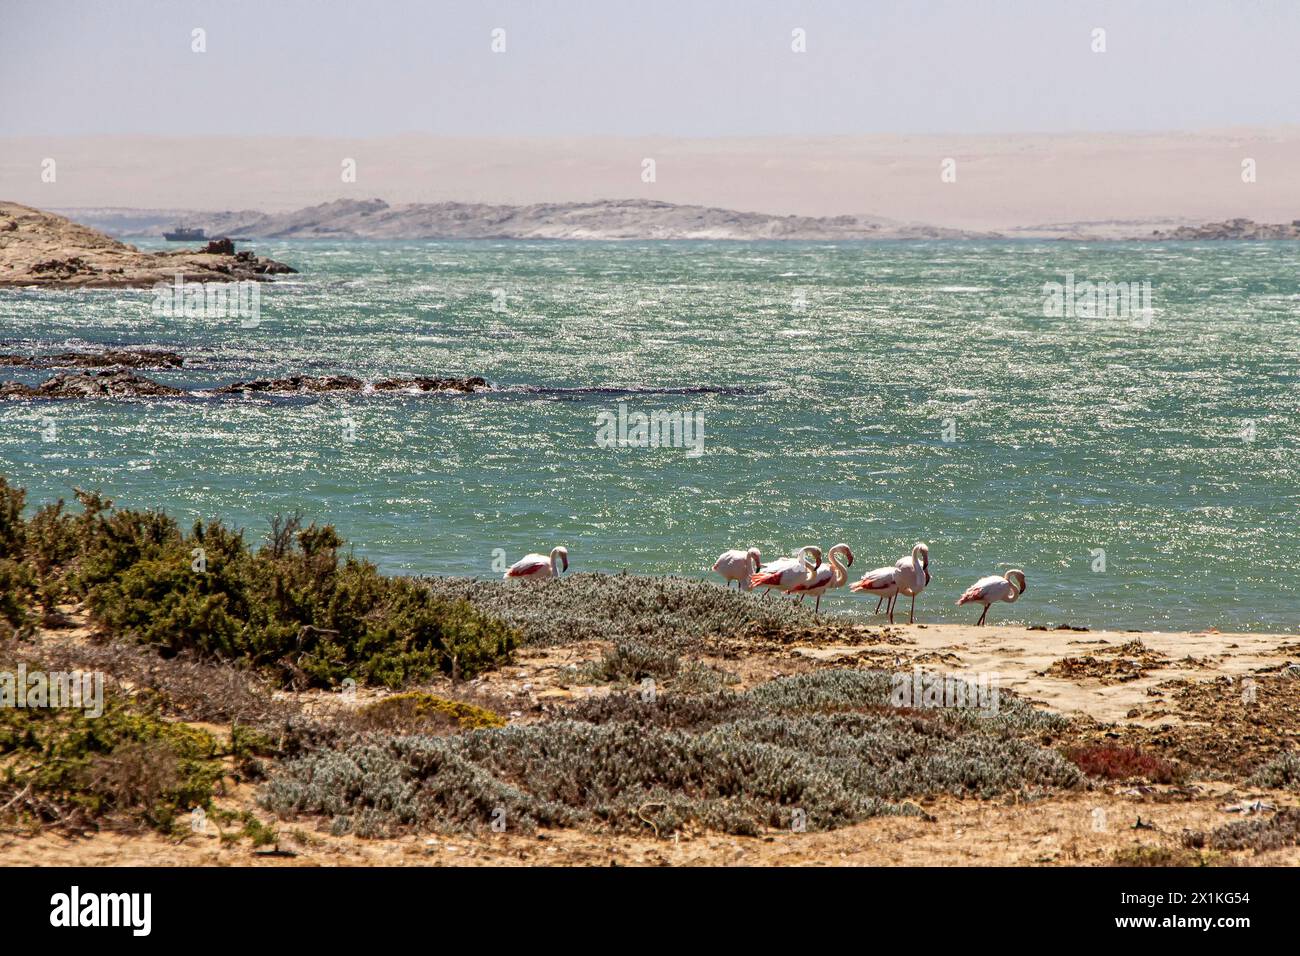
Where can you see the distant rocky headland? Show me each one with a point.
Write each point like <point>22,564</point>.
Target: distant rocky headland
<point>615,219</point>
<point>49,251</point>
<point>605,219</point>
<point>1233,229</point>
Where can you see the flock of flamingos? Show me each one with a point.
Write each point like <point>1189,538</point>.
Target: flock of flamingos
<point>804,575</point>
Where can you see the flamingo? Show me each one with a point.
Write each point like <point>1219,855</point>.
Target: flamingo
<point>787,572</point>
<point>882,582</point>
<point>832,575</point>
<point>996,587</point>
<point>537,567</point>
<point>913,574</point>
<point>738,566</point>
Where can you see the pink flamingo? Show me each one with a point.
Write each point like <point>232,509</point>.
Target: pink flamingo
<point>996,587</point>
<point>882,582</point>
<point>785,573</point>
<point>912,575</point>
<point>738,566</point>
<point>537,567</point>
<point>832,575</point>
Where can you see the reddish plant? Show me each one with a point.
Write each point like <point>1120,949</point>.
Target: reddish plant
<point>1111,762</point>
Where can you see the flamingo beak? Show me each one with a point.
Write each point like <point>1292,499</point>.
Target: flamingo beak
<point>565,559</point>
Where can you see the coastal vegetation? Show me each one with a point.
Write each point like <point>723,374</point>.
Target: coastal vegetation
<point>297,607</point>
<point>285,682</point>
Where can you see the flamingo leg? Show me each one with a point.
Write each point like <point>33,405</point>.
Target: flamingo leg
<point>892,601</point>
<point>879,601</point>
<point>985,614</point>
<point>817,609</point>
<point>911,615</point>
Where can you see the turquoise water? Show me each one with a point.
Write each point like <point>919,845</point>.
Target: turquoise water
<point>822,423</point>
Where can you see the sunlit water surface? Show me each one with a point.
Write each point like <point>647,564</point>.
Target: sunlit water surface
<point>828,376</point>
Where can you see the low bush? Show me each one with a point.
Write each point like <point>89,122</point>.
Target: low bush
<point>128,765</point>
<point>296,606</point>
<point>1111,762</point>
<point>425,713</point>
<point>668,611</point>
<point>816,748</point>
<point>1281,773</point>
<point>1282,829</point>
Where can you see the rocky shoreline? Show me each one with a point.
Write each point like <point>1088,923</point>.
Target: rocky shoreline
<point>42,250</point>
<point>123,383</point>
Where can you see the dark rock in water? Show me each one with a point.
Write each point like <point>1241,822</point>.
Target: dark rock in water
<point>294,383</point>
<point>220,247</point>
<point>109,358</point>
<point>120,384</point>
<point>425,383</point>
<point>346,383</point>
<point>124,384</point>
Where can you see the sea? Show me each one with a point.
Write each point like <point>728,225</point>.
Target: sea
<point>655,403</point>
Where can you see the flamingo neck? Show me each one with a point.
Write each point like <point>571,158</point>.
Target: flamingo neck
<point>839,569</point>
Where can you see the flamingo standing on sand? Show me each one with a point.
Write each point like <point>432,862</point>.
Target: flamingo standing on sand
<point>538,567</point>
<point>832,575</point>
<point>913,574</point>
<point>996,587</point>
<point>738,566</point>
<point>787,572</point>
<point>882,582</point>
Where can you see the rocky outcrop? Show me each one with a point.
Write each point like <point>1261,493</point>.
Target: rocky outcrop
<point>299,384</point>
<point>1232,229</point>
<point>109,358</point>
<point>424,383</point>
<point>120,384</point>
<point>48,251</point>
<point>124,384</point>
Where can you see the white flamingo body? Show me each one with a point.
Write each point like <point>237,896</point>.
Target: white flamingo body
<point>996,587</point>
<point>785,573</point>
<point>738,566</point>
<point>882,582</point>
<point>833,574</point>
<point>912,574</point>
<point>538,567</point>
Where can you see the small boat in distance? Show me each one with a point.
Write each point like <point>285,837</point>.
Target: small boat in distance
<point>181,234</point>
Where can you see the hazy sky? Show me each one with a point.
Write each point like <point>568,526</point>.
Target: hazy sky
<point>659,67</point>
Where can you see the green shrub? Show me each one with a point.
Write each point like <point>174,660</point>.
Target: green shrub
<point>426,713</point>
<point>13,531</point>
<point>16,584</point>
<point>296,606</point>
<point>61,766</point>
